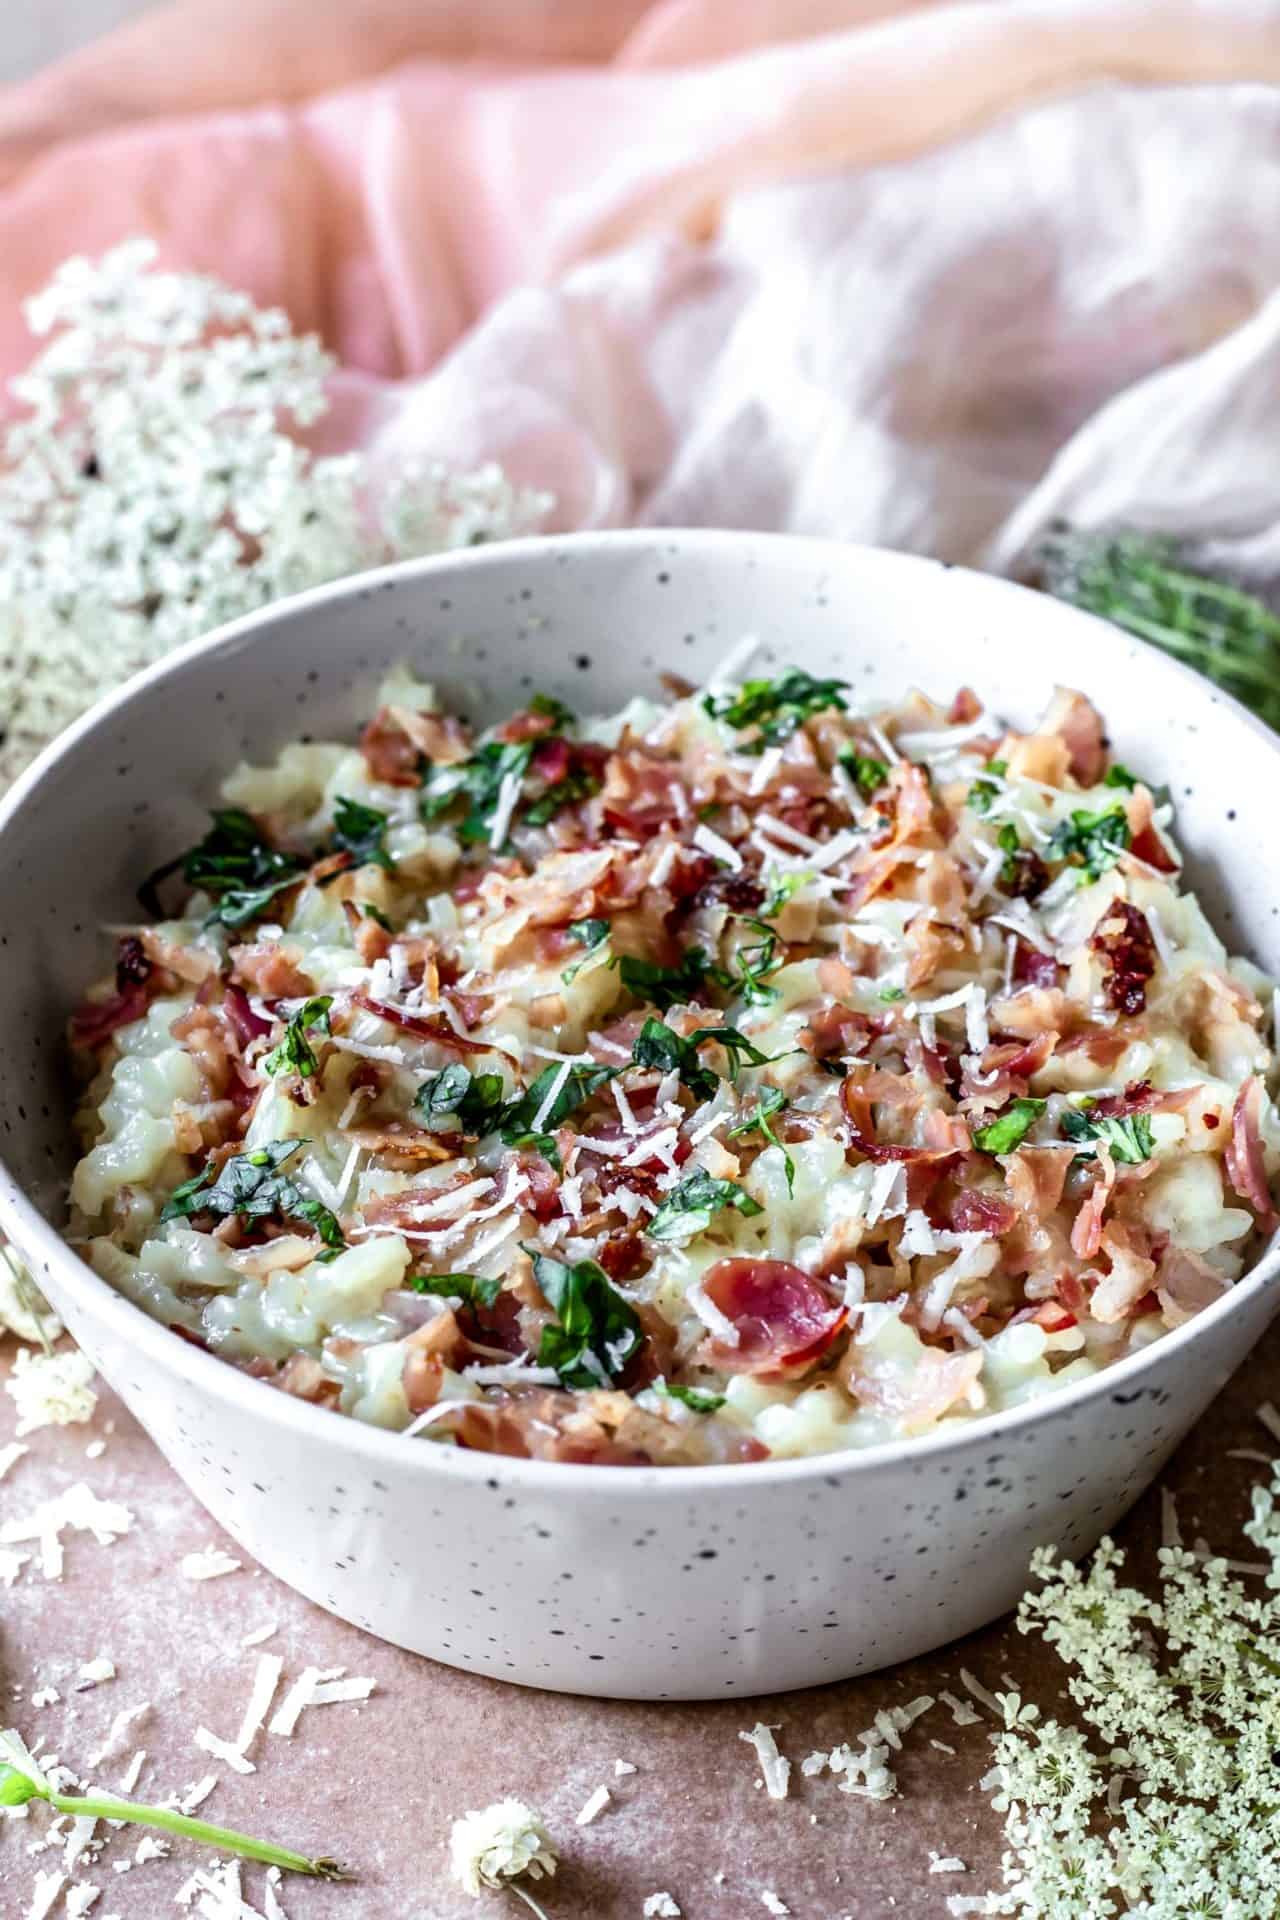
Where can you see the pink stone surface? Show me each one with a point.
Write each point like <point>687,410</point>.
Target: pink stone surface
<point>378,1784</point>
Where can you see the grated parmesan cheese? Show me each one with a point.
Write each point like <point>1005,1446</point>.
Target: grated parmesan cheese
<point>223,1750</point>
<point>51,1389</point>
<point>660,1906</point>
<point>774,1768</point>
<point>209,1564</point>
<point>593,1807</point>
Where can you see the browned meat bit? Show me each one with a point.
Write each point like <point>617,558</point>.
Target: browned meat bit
<point>1123,941</point>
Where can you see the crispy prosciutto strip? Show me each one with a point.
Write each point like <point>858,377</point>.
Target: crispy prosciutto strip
<point>94,1023</point>
<point>1078,724</point>
<point>974,1212</point>
<point>1086,1233</point>
<point>1123,942</point>
<point>1243,1156</point>
<point>785,1319</point>
<point>425,1028</point>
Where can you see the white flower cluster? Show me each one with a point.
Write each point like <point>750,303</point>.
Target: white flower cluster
<point>500,1844</point>
<point>51,1389</point>
<point>1165,1801</point>
<point>153,487</point>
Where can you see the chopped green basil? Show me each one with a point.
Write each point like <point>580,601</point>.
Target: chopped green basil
<point>665,987</point>
<point>467,1287</point>
<point>753,961</point>
<point>597,1333</point>
<point>376,914</point>
<point>444,1094</point>
<point>578,784</point>
<point>555,710</point>
<point>361,831</point>
<point>776,708</point>
<point>657,1046</point>
<point>251,1187</point>
<point>772,1100</point>
<point>695,1398</point>
<point>689,1208</point>
<point>479,781</point>
<point>889,994</point>
<point>1010,1128</point>
<point>866,772</point>
<point>1092,841</point>
<point>1118,775</point>
<point>235,864</point>
<point>741,1051</point>
<point>1129,1138</point>
<point>589,933</point>
<point>784,887</point>
<point>525,1110</point>
<point>295,1053</point>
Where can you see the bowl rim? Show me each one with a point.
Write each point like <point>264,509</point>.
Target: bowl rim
<point>208,1372</point>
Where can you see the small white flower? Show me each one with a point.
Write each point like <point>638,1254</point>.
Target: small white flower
<point>498,1845</point>
<point>51,1389</point>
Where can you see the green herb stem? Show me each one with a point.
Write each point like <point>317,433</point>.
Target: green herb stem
<point>103,1806</point>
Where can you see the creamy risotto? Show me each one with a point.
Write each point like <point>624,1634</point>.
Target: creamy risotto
<point>743,1075</point>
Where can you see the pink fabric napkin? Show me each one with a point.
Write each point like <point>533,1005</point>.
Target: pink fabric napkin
<point>914,273</point>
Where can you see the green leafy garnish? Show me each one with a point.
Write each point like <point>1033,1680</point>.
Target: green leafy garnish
<point>695,1398</point>
<point>376,914</point>
<point>467,1287</point>
<point>866,772</point>
<point>657,1046</point>
<point>772,1100</point>
<point>361,831</point>
<point>295,1053</point>
<point>235,865</point>
<point>1010,1128</point>
<point>578,784</point>
<point>598,1331</point>
<point>776,708</point>
<point>665,987</point>
<point>889,994</point>
<point>478,781</point>
<point>741,1051</point>
<point>690,1208</point>
<point>250,1187</point>
<point>753,961</point>
<point>1118,775</point>
<point>1129,1138</point>
<point>784,888</point>
<point>21,1781</point>
<point>1092,841</point>
<point>591,934</point>
<point>577,1086</point>
<point>446,1093</point>
<point>563,718</point>
<point>1142,584</point>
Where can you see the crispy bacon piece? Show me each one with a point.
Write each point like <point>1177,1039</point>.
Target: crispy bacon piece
<point>269,972</point>
<point>786,1320</point>
<point>974,1212</point>
<point>1132,1270</point>
<point>591,1429</point>
<point>423,1027</point>
<point>94,1023</point>
<point>1032,968</point>
<point>1006,1070</point>
<point>1123,941</point>
<point>1102,1045</point>
<point>1036,1177</point>
<point>245,1023</point>
<point>951,1136</point>
<point>302,1376</point>
<point>1078,724</point>
<point>1246,1169</point>
<point>1086,1233</point>
<point>1186,1285</point>
<point>642,795</point>
<point>1147,845</point>
<point>389,753</point>
<point>965,707</point>
<point>133,963</point>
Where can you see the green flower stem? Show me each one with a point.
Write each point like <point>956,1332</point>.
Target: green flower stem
<point>104,1806</point>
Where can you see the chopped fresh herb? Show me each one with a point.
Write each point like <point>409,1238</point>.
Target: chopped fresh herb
<point>1023,874</point>
<point>543,1143</point>
<point>776,708</point>
<point>665,987</point>
<point>480,1108</point>
<point>479,781</point>
<point>555,710</point>
<point>741,1051</point>
<point>689,1208</point>
<point>361,831</point>
<point>753,961</point>
<point>467,1287</point>
<point>866,772</point>
<point>578,784</point>
<point>772,1100</point>
<point>782,889</point>
<point>250,1187</point>
<point>1010,1128</point>
<point>526,1109</point>
<point>1129,1138</point>
<point>1092,841</point>
<point>657,1046</point>
<point>694,1398</point>
<point>598,1331</point>
<point>295,1053</point>
<point>376,914</point>
<point>591,934</point>
<point>889,994</point>
<point>1118,775</point>
<point>998,767</point>
<point>444,1094</point>
<point>234,864</point>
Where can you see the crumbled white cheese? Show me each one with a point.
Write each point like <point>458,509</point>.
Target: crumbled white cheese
<point>719,848</point>
<point>118,1733</point>
<point>265,1680</point>
<point>51,1389</point>
<point>94,1672</point>
<point>776,1770</point>
<point>222,1750</point>
<point>44,1894</point>
<point>45,1697</point>
<point>660,1906</point>
<point>76,1508</point>
<point>946,1863</point>
<point>79,1899</point>
<point>259,1634</point>
<point>211,1563</point>
<point>622,1767</point>
<point>592,1807</point>
<point>979,1692</point>
<point>129,1778</point>
<point>774,1905</point>
<point>962,1713</point>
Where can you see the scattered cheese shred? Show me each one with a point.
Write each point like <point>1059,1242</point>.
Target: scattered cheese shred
<point>265,1680</point>
<point>10,1456</point>
<point>593,1806</point>
<point>776,1906</point>
<point>209,1564</point>
<point>775,1769</point>
<point>660,1906</point>
<point>223,1750</point>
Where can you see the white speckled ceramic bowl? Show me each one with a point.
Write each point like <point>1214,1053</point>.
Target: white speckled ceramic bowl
<point>685,1583</point>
